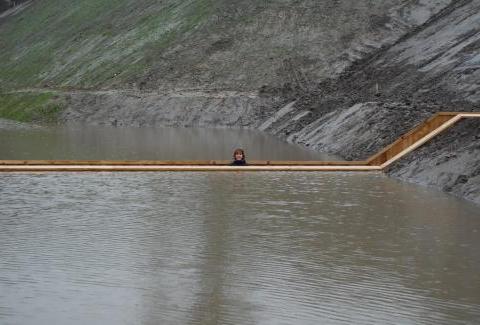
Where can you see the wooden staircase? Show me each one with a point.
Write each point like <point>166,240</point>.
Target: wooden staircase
<point>402,146</point>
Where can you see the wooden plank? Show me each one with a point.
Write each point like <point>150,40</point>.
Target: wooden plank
<point>435,132</point>
<point>177,163</point>
<point>416,134</point>
<point>111,162</point>
<point>470,114</point>
<point>157,168</point>
<point>409,138</point>
<point>420,142</point>
<point>449,113</point>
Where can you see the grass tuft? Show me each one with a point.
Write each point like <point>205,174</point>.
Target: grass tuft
<point>30,107</point>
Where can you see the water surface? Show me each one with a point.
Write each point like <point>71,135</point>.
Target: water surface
<point>131,143</point>
<point>234,248</point>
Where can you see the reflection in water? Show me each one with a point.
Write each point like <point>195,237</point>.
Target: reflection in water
<point>234,248</point>
<point>97,143</point>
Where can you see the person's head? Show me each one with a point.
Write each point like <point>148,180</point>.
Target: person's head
<point>239,154</point>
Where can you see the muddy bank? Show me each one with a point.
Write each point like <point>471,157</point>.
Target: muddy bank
<point>181,108</point>
<point>14,125</point>
<point>433,68</point>
<point>360,131</point>
<point>450,162</point>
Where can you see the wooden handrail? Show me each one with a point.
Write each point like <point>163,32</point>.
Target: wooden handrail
<point>408,142</point>
<point>176,163</point>
<point>409,138</point>
<point>416,137</point>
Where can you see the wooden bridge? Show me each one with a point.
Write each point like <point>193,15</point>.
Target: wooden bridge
<point>404,145</point>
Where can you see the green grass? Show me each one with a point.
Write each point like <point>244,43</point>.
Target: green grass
<point>30,107</point>
<point>49,43</point>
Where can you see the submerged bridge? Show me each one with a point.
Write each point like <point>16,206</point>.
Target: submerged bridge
<point>378,162</point>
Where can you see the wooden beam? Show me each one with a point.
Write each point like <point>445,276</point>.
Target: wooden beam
<point>447,124</point>
<point>145,168</point>
<point>418,136</point>
<point>409,138</point>
<point>178,162</point>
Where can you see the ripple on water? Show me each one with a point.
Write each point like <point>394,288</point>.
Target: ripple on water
<point>240,248</point>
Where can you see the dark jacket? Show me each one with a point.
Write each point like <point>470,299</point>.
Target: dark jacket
<point>239,163</point>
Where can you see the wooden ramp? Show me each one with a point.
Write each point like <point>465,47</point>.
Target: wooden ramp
<point>405,144</point>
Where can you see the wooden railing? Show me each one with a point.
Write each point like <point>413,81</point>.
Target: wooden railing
<point>417,137</point>
<point>402,146</point>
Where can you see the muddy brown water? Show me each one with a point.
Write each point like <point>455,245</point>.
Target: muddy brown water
<point>234,248</point>
<point>130,143</point>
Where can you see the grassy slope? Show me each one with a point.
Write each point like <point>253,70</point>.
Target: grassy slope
<point>30,107</point>
<point>91,43</point>
<point>186,43</point>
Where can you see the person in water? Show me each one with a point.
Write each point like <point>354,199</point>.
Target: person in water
<point>238,158</point>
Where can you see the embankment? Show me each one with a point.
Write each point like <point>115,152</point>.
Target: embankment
<point>180,108</point>
<point>435,67</point>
